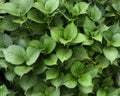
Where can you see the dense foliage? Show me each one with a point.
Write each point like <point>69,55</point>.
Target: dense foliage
<point>59,48</point>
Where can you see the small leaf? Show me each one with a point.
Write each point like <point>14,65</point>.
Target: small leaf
<point>37,94</point>
<point>86,90</point>
<point>40,6</point>
<point>21,70</point>
<point>51,60</point>
<point>77,68</point>
<point>80,8</point>
<point>3,90</point>
<point>49,45</point>
<point>116,40</point>
<point>3,64</point>
<point>51,91</point>
<point>14,54</point>
<point>110,53</point>
<point>94,12</point>
<point>70,81</point>
<point>56,33</point>
<point>32,54</point>
<point>79,39</point>
<point>101,92</point>
<point>10,75</point>
<point>51,5</point>
<point>51,74</point>
<point>35,16</point>
<point>58,81</point>
<point>64,54</point>
<point>70,31</point>
<point>10,8</point>
<point>26,82</point>
<point>85,80</point>
<point>89,26</point>
<point>23,6</point>
<point>35,43</point>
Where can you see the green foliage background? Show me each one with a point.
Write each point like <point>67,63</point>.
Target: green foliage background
<point>59,48</point>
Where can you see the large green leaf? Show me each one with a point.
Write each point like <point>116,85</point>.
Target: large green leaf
<point>79,39</point>
<point>89,26</point>
<point>58,81</point>
<point>14,54</point>
<point>80,8</point>
<point>21,70</point>
<point>85,80</point>
<point>17,7</point>
<point>116,40</point>
<point>64,54</point>
<point>26,82</point>
<point>32,55</point>
<point>51,5</point>
<point>3,90</point>
<point>51,60</point>
<point>10,8</point>
<point>34,15</point>
<point>70,81</point>
<point>51,91</point>
<point>77,68</point>
<point>70,31</point>
<point>23,6</point>
<point>110,53</point>
<point>95,12</point>
<point>56,33</point>
<point>49,45</point>
<point>52,74</point>
<point>101,92</point>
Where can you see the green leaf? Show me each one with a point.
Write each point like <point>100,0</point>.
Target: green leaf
<point>58,81</point>
<point>89,26</point>
<point>52,74</point>
<point>14,54</point>
<point>85,80</point>
<point>36,43</point>
<point>86,90</point>
<point>110,53</point>
<point>5,40</point>
<point>49,45</point>
<point>51,60</point>
<point>23,6</point>
<point>116,5</point>
<point>101,92</point>
<point>32,55</point>
<point>37,94</point>
<point>95,12</point>
<point>51,5</point>
<point>64,54</point>
<point>79,39</point>
<point>113,92</point>
<point>80,53</point>
<point>56,33</point>
<point>3,90</point>
<point>116,40</point>
<point>3,64</point>
<point>34,15</point>
<point>77,68</point>
<point>70,32</point>
<point>80,8</point>
<point>26,82</point>
<point>69,81</point>
<point>10,75</point>
<point>21,70</point>
<point>51,91</point>
<point>40,6</point>
<point>10,8</point>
